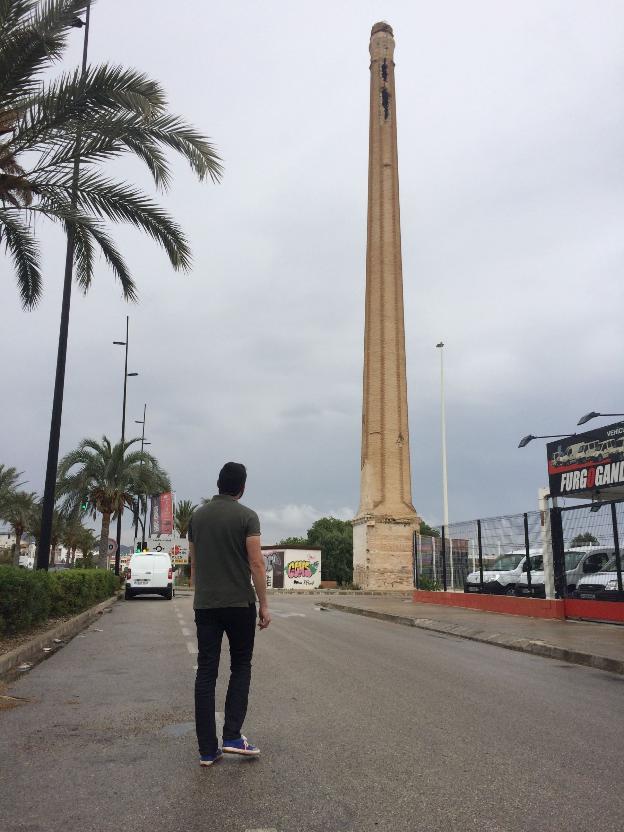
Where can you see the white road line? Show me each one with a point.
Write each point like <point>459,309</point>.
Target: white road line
<point>272,829</point>
<point>186,631</point>
<point>192,648</point>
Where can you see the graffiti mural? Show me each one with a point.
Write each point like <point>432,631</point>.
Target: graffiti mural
<point>292,568</point>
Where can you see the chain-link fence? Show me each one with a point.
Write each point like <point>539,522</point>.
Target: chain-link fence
<point>505,555</point>
<point>472,556</point>
<point>586,551</point>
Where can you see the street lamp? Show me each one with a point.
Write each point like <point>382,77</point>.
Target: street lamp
<point>47,504</point>
<point>593,415</point>
<point>127,375</point>
<point>143,443</point>
<point>440,346</point>
<point>445,512</point>
<point>529,438</point>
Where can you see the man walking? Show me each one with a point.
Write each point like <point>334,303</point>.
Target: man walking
<point>224,545</point>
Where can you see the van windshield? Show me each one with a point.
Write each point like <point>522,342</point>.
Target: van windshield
<point>572,559</point>
<point>505,563</point>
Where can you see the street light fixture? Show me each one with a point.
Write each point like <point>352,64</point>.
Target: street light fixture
<point>127,375</point>
<point>47,503</point>
<point>529,438</point>
<point>143,443</point>
<point>440,347</point>
<point>593,415</point>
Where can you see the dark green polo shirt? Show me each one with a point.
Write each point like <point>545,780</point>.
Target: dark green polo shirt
<point>219,530</point>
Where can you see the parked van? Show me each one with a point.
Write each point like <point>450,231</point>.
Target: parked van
<point>601,586</point>
<point>150,573</point>
<point>501,576</point>
<point>579,561</point>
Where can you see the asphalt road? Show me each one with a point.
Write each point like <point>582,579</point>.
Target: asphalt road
<point>364,725</point>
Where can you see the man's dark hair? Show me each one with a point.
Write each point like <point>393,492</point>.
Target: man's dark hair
<point>232,478</point>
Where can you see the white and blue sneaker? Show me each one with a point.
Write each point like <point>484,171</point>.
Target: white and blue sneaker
<point>209,759</point>
<point>241,746</point>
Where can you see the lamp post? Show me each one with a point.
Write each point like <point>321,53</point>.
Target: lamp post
<point>143,443</point>
<point>445,514</point>
<point>440,346</point>
<point>47,506</point>
<point>529,438</point>
<point>127,375</point>
<point>593,415</point>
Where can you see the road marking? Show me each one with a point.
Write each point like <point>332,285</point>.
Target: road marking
<point>186,631</point>
<point>272,829</point>
<point>192,648</point>
<point>280,614</point>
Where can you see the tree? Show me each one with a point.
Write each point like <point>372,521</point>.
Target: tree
<point>106,478</point>
<point>585,539</point>
<point>74,536</point>
<point>427,530</point>
<point>183,513</point>
<point>335,537</point>
<point>58,525</point>
<point>294,541</point>
<point>93,118</point>
<point>17,509</point>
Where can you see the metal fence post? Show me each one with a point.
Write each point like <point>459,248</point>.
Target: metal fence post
<point>616,544</point>
<point>556,528</point>
<point>444,558</point>
<point>527,551</point>
<point>480,545</point>
<point>415,559</point>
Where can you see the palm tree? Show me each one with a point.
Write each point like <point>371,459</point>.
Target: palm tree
<point>74,536</point>
<point>34,526</point>
<point>8,482</point>
<point>90,118</point>
<point>183,513</point>
<point>107,477</point>
<point>17,510</point>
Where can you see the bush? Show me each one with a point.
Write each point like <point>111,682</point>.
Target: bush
<point>428,584</point>
<point>29,598</point>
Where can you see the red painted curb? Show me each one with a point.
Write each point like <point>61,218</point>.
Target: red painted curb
<point>531,607</point>
<point>594,610</point>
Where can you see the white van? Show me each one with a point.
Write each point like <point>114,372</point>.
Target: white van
<point>501,576</point>
<point>150,573</point>
<point>579,561</point>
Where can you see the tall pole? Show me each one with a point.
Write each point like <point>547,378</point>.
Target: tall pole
<point>47,507</point>
<point>440,346</point>
<point>136,519</point>
<point>123,439</point>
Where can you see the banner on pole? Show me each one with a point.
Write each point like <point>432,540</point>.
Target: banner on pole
<point>161,515</point>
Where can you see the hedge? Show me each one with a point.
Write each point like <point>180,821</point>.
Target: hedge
<point>29,598</point>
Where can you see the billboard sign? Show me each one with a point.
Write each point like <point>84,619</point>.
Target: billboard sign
<point>292,568</point>
<point>161,516</point>
<point>588,465</point>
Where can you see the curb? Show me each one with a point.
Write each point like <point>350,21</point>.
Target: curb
<point>32,651</point>
<point>522,645</point>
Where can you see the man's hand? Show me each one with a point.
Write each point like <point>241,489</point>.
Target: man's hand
<point>264,617</point>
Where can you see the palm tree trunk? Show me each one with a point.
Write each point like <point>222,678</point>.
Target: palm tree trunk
<point>103,554</point>
<point>18,543</point>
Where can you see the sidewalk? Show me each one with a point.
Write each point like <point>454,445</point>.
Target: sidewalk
<point>596,645</point>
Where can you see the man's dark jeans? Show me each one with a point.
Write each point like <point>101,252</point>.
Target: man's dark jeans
<point>239,624</point>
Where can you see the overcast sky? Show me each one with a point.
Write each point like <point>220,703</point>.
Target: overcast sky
<point>511,150</point>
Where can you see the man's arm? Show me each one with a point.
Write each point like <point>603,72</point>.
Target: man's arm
<point>258,575</point>
<point>191,564</point>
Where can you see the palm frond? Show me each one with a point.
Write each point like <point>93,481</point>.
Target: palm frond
<point>22,246</point>
<point>32,36</point>
<point>117,202</point>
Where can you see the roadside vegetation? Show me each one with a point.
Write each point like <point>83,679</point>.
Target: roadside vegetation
<point>30,598</point>
<point>57,135</point>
